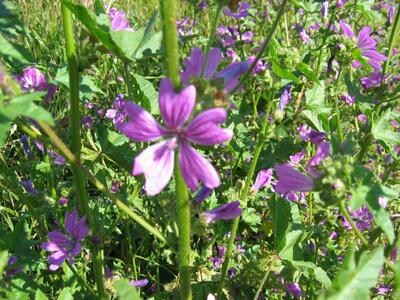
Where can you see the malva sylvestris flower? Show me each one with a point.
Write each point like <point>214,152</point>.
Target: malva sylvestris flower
<point>226,211</point>
<point>66,246</point>
<point>157,161</point>
<point>33,79</point>
<point>291,180</point>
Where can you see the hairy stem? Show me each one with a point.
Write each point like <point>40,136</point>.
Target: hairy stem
<point>170,38</point>
<point>75,121</point>
<point>243,199</point>
<point>393,34</point>
<point>263,47</point>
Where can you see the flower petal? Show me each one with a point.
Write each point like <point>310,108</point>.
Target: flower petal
<point>176,108</point>
<point>226,211</point>
<point>142,127</point>
<point>213,60</point>
<point>291,180</point>
<point>56,259</point>
<point>193,65</point>
<point>204,129</point>
<point>157,164</point>
<point>365,41</point>
<point>195,168</point>
<point>71,220</point>
<point>347,31</point>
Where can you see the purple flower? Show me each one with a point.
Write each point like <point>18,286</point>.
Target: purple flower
<point>226,211</point>
<point>316,137</point>
<point>296,158</point>
<point>333,235</point>
<point>324,9</point>
<point>263,179</point>
<point>117,114</point>
<point>87,122</point>
<point>28,186</point>
<point>304,132</point>
<point>241,13</point>
<point>185,26</point>
<point>26,146</point>
<point>366,44</point>
<point>373,80</point>
<point>348,99</point>
<point>12,260</point>
<point>202,5</point>
<point>58,159</point>
<point>305,38</point>
<point>118,20</point>
<point>194,68</point>
<point>232,272</point>
<point>63,201</point>
<point>362,118</point>
<point>202,195</point>
<point>33,79</point>
<point>157,161</point>
<point>285,98</point>
<point>51,91</point>
<point>383,289</point>
<point>323,151</point>
<point>362,217</point>
<point>261,66</point>
<point>66,246</point>
<point>115,186</point>
<point>139,283</point>
<point>11,268</point>
<point>291,180</point>
<point>383,201</point>
<point>294,289</point>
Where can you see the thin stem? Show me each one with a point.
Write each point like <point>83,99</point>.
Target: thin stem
<point>346,214</point>
<point>170,39</point>
<point>183,212</point>
<point>127,80</point>
<point>56,141</point>
<point>211,37</point>
<point>262,283</point>
<point>393,35</point>
<point>79,180</point>
<point>263,47</point>
<point>243,199</point>
<point>338,118</point>
<point>80,279</point>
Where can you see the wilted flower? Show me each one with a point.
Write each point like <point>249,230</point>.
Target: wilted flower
<point>291,180</point>
<point>139,283</point>
<point>157,161</point>
<point>366,44</point>
<point>66,246</point>
<point>33,79</point>
<point>226,211</point>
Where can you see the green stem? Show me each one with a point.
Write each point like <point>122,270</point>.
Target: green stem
<point>243,199</point>
<point>56,141</point>
<point>80,279</point>
<point>262,283</point>
<point>211,37</point>
<point>346,214</point>
<point>79,180</point>
<point>170,38</point>
<point>327,31</point>
<point>338,118</point>
<point>183,212</point>
<point>393,35</point>
<point>128,81</point>
<point>263,47</point>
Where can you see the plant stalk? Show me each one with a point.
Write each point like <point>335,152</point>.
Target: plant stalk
<point>393,35</point>
<point>75,121</point>
<point>243,199</point>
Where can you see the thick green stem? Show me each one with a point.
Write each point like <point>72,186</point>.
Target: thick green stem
<point>79,179</point>
<point>262,49</point>
<point>243,199</point>
<point>394,33</point>
<point>183,212</point>
<point>170,39</point>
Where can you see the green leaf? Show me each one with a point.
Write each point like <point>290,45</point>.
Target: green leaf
<point>288,243</point>
<point>283,73</point>
<point>3,262</point>
<point>310,268</point>
<point>382,130</point>
<point>65,294</point>
<point>39,295</point>
<point>369,195</point>
<point>313,117</point>
<point>146,95</point>
<point>315,99</point>
<point>8,49</point>
<point>355,280</point>
<point>125,290</point>
<point>308,72</point>
<point>127,41</point>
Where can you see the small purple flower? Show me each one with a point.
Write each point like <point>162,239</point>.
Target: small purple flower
<point>12,269</point>
<point>323,151</point>
<point>294,289</point>
<point>232,272</point>
<point>58,159</point>
<point>263,179</point>
<point>260,67</point>
<point>139,283</point>
<point>371,81</point>
<point>333,235</point>
<point>291,180</point>
<point>115,186</point>
<point>202,5</point>
<point>324,9</point>
<point>305,38</point>
<point>383,289</point>
<point>285,98</point>
<point>316,137</point>
<point>296,158</point>
<point>51,91</point>
<point>63,201</point>
<point>185,26</point>
<point>241,13</point>
<point>366,44</point>
<point>226,211</point>
<point>33,79</point>
<point>304,132</point>
<point>383,201</point>
<point>202,195</point>
<point>362,217</point>
<point>362,118</point>
<point>157,161</point>
<point>26,146</point>
<point>87,122</point>
<point>66,246</point>
<point>194,68</point>
<point>348,99</point>
<point>28,186</point>
<point>117,114</point>
<point>12,260</point>
<point>118,20</point>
